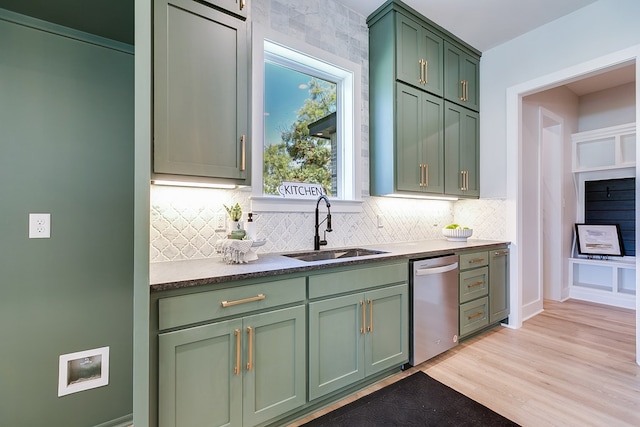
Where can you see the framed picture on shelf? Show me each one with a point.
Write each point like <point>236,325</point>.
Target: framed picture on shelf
<point>599,240</point>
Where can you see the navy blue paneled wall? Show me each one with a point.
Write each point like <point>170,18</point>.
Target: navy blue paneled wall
<point>613,201</point>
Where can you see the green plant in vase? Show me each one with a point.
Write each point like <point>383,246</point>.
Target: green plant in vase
<point>235,213</point>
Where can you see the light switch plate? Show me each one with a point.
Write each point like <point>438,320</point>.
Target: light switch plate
<point>39,226</point>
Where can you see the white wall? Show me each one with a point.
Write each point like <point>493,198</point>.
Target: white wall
<point>610,107</point>
<point>599,29</point>
<point>558,213</point>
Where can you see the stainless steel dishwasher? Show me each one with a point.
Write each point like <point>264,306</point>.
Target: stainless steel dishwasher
<point>434,327</point>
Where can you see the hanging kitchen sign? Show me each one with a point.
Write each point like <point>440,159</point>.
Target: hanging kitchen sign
<point>300,190</point>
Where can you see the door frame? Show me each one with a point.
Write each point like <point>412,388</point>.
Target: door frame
<point>514,160</point>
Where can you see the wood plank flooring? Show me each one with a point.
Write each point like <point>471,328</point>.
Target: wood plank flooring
<point>572,365</point>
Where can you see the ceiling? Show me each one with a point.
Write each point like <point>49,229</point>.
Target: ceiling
<point>483,24</point>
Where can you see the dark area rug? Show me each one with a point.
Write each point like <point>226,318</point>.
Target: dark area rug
<point>417,400</point>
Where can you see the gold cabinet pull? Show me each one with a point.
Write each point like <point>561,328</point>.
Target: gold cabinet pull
<point>250,357</point>
<point>462,90</point>
<point>464,177</point>
<point>425,65</point>
<point>501,253</point>
<point>363,317</point>
<point>473,285</point>
<point>426,174</point>
<point>236,369</point>
<point>474,260</point>
<point>421,175</point>
<point>420,79</point>
<point>243,154</point>
<point>242,4</point>
<point>243,301</point>
<point>370,328</point>
<point>475,316</point>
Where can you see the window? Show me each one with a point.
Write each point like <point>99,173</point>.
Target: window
<point>306,112</point>
<point>300,127</point>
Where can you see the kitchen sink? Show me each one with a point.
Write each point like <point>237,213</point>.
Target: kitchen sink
<point>333,254</point>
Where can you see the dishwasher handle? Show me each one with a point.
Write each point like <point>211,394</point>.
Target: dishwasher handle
<point>435,270</point>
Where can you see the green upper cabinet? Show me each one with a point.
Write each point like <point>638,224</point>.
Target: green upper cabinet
<point>201,114</point>
<point>413,64</point>
<point>420,142</point>
<point>419,56</point>
<point>462,71</point>
<point>461,141</point>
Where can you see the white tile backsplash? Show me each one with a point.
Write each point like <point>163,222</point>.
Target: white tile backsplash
<point>183,224</point>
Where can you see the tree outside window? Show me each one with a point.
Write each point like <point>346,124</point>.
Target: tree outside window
<point>300,143</point>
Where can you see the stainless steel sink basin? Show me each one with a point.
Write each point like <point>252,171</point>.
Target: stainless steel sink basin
<point>333,254</point>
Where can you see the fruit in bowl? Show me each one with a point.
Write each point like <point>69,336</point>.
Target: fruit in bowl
<point>456,232</point>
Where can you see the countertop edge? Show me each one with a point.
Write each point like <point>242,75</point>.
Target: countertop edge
<point>173,275</point>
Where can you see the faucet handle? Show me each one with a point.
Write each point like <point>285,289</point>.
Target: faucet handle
<point>323,242</point>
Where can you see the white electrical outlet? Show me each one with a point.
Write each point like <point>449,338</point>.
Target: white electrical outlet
<point>39,225</point>
<point>380,221</point>
<point>219,221</point>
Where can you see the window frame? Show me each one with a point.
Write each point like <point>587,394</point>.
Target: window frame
<point>314,61</point>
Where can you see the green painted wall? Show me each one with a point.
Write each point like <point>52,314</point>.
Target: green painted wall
<point>66,147</point>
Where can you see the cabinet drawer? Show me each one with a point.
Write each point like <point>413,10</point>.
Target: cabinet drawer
<point>473,260</point>
<point>183,310</point>
<point>357,279</point>
<point>474,284</point>
<point>474,315</point>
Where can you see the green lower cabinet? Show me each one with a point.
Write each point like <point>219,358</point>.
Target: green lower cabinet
<point>357,335</point>
<point>474,315</point>
<point>498,285</point>
<point>233,373</point>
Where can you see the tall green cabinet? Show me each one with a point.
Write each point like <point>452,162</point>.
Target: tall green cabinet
<point>201,98</point>
<point>424,102</point>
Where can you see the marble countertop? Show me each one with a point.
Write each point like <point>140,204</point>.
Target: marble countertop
<point>188,273</point>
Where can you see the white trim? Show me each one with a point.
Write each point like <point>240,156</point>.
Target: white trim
<point>49,27</point>
<point>276,204</point>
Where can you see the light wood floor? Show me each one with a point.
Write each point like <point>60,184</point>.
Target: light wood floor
<point>572,365</point>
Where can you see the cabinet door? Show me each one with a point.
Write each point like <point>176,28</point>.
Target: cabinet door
<point>498,285</point>
<point>336,343</point>
<point>197,381</point>
<point>237,7</point>
<point>419,55</point>
<point>461,80</point>
<point>387,328</point>
<point>420,141</point>
<point>200,89</point>
<point>474,315</point>
<point>461,139</point>
<point>274,365</point>
<point>473,284</point>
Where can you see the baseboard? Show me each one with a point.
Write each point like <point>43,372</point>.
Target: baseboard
<point>125,421</point>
